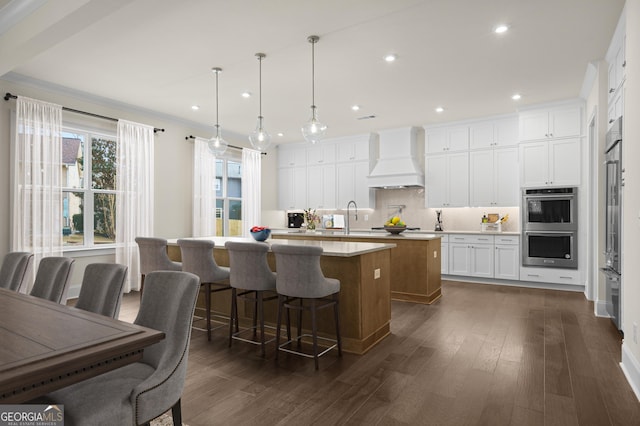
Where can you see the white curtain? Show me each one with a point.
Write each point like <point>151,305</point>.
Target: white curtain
<point>204,191</point>
<point>134,199</point>
<point>37,177</point>
<point>251,194</point>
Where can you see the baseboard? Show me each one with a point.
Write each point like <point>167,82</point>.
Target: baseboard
<point>512,283</point>
<point>74,292</point>
<point>631,369</point>
<point>601,308</point>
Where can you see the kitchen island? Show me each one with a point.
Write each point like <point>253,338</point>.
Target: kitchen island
<point>364,271</point>
<point>415,261</point>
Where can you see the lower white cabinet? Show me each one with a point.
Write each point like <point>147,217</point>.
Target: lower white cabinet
<point>444,254</point>
<point>507,257</point>
<point>483,256</point>
<point>551,275</point>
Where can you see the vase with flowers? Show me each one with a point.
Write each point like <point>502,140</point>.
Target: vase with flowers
<point>311,218</point>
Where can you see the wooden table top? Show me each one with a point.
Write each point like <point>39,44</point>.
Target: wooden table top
<point>45,346</point>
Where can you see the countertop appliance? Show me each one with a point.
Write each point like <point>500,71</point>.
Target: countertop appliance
<point>295,220</point>
<point>613,220</point>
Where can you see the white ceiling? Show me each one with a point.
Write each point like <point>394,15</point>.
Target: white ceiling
<point>157,55</point>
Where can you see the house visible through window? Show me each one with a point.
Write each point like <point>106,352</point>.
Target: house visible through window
<point>88,181</point>
<point>228,197</point>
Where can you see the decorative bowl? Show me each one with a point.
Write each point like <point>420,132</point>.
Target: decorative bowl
<point>261,235</point>
<point>395,229</point>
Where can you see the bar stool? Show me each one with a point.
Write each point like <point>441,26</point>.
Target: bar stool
<point>300,278</point>
<point>197,258</point>
<point>153,257</point>
<point>251,274</point>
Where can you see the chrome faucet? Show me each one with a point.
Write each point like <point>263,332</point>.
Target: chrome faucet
<point>347,230</point>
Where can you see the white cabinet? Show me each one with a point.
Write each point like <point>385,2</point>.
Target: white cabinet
<point>292,188</point>
<point>493,133</point>
<point>552,163</point>
<point>446,139</point>
<point>292,155</point>
<point>493,179</point>
<point>447,180</point>
<point>507,257</point>
<point>352,149</point>
<point>351,184</point>
<point>444,254</point>
<point>321,186</point>
<point>551,275</point>
<point>617,66</point>
<point>471,255</point>
<point>321,154</point>
<point>616,106</point>
<point>557,122</point>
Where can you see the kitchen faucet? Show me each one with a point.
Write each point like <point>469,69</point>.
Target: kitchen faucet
<point>346,231</point>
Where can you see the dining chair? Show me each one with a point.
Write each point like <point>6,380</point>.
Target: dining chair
<point>138,393</point>
<point>153,257</point>
<point>52,279</point>
<point>101,290</point>
<point>251,275</point>
<point>197,258</point>
<point>299,279</point>
<point>15,272</point>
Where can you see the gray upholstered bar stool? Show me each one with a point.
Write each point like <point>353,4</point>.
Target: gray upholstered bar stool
<point>154,257</point>
<point>300,278</point>
<point>250,273</point>
<point>197,258</point>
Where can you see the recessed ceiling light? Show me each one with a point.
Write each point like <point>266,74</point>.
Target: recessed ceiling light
<point>516,96</point>
<point>502,28</point>
<point>355,107</point>
<point>195,107</point>
<point>246,95</point>
<point>390,57</point>
<point>439,109</point>
<point>280,134</point>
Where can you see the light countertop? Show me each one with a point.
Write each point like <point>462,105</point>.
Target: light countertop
<point>331,248</point>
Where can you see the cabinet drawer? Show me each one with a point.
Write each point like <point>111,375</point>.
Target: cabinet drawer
<point>507,239</point>
<point>550,275</point>
<point>471,238</point>
<point>444,238</point>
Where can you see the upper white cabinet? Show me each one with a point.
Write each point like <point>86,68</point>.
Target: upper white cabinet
<point>321,154</point>
<point>352,149</point>
<point>617,68</point>
<point>292,155</point>
<point>292,188</point>
<point>492,175</point>
<point>446,139</point>
<point>555,122</point>
<point>352,185</point>
<point>494,133</point>
<point>550,163</point>
<point>447,180</point>
<point>321,186</point>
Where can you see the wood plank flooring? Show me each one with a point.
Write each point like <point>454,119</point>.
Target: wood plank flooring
<point>482,355</point>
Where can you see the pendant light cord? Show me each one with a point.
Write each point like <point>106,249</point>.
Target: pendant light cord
<point>313,74</point>
<point>217,121</point>
<point>260,84</point>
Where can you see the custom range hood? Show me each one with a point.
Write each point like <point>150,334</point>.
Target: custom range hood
<point>399,162</point>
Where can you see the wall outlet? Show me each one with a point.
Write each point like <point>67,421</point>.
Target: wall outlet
<point>635,332</point>
<point>435,254</point>
<point>376,273</point>
<point>366,217</point>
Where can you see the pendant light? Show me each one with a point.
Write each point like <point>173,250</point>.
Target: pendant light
<point>313,130</point>
<point>260,138</point>
<point>216,144</point>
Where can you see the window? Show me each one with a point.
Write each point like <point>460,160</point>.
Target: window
<point>228,197</point>
<point>88,181</point>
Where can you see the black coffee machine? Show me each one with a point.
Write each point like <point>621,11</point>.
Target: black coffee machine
<point>295,220</point>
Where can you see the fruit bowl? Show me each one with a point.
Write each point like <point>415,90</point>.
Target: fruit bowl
<point>261,234</point>
<point>395,229</point>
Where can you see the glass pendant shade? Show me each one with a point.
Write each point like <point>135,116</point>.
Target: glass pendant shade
<point>313,130</point>
<point>216,144</point>
<point>260,139</point>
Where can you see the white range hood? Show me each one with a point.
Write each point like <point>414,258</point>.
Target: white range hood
<point>399,162</point>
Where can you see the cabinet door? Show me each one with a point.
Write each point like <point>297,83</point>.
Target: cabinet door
<point>458,178</point>
<point>565,121</point>
<point>459,259</point>
<point>458,138</point>
<point>505,132</point>
<point>534,125</point>
<point>505,183</point>
<point>481,187</point>
<point>285,188</point>
<point>352,149</point>
<point>321,186</point>
<point>436,181</point>
<point>444,258</point>
<point>481,260</point>
<point>435,140</point>
<point>481,135</point>
<point>534,164</point>
<point>292,156</point>
<point>564,162</point>
<point>363,195</point>
<point>345,184</point>
<point>507,262</point>
<point>300,189</point>
<point>321,154</point>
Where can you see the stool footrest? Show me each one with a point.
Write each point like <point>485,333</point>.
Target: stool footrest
<point>300,352</point>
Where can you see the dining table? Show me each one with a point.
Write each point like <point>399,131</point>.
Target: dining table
<point>46,346</point>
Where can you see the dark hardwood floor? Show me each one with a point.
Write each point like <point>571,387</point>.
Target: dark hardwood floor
<point>482,355</point>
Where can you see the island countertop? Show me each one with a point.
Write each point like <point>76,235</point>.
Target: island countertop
<point>331,248</point>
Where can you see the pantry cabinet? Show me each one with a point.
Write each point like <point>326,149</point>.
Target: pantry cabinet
<point>447,180</point>
<point>492,180</point>
<point>552,163</point>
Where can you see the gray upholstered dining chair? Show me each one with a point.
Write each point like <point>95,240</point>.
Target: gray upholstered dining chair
<point>250,273</point>
<point>15,272</point>
<point>197,258</point>
<point>138,393</point>
<point>52,279</point>
<point>300,278</point>
<point>153,257</point>
<point>101,290</point>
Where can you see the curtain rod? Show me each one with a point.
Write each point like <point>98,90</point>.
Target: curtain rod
<point>230,146</point>
<point>8,96</point>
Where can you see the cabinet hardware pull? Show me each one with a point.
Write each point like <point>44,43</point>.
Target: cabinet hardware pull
<point>551,135</point>
<point>612,90</point>
<point>546,135</point>
<point>566,278</point>
<point>533,275</point>
<point>624,64</point>
<point>611,120</point>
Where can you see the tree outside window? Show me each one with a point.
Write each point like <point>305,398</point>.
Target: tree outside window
<point>228,197</point>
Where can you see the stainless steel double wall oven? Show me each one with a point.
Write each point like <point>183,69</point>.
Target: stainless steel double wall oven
<point>550,227</point>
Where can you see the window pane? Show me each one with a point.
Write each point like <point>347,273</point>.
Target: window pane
<point>219,218</point>
<point>234,179</point>
<point>72,160</point>
<point>235,217</point>
<point>72,219</point>
<point>219,176</point>
<point>104,219</point>
<point>103,163</point>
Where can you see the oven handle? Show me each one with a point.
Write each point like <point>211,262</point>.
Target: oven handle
<point>548,196</point>
<point>553,233</point>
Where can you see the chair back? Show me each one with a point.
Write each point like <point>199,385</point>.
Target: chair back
<point>153,255</point>
<point>102,286</point>
<point>249,267</point>
<point>15,272</point>
<point>168,304</point>
<point>52,279</point>
<point>197,258</point>
<point>299,273</point>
